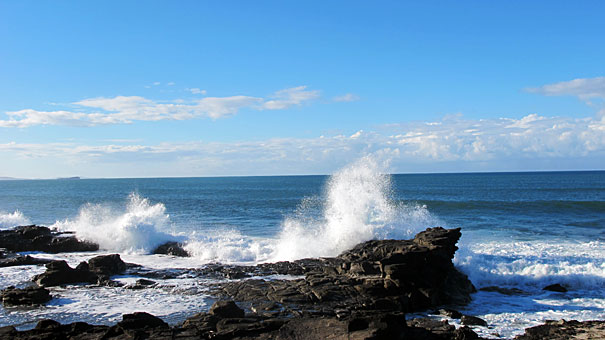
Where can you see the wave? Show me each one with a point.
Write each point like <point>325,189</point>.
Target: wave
<point>13,219</point>
<point>356,207</point>
<point>532,265</point>
<point>139,228</point>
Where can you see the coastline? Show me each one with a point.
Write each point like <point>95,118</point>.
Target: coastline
<point>363,293</point>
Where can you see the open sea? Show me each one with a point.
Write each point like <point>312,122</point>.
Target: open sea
<point>520,230</point>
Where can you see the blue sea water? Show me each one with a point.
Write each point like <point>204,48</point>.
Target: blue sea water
<point>520,230</point>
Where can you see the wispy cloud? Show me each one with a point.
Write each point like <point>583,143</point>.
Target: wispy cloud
<point>349,97</point>
<point>583,88</point>
<point>290,97</point>
<point>128,109</point>
<point>196,90</point>
<point>529,143</point>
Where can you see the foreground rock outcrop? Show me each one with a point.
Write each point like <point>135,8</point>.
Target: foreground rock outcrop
<point>227,321</point>
<point>37,238</point>
<point>389,275</point>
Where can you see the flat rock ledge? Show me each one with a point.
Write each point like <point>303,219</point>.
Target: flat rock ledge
<point>38,238</point>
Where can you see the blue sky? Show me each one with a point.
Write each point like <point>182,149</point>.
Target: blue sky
<point>199,88</point>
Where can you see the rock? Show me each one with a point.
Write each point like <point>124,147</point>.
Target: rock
<point>12,296</point>
<point>141,284</point>
<point>38,238</point>
<point>97,270</point>
<point>171,248</point>
<point>472,321</point>
<point>141,320</point>
<point>564,330</point>
<point>501,290</point>
<point>226,309</point>
<point>60,273</point>
<point>12,259</point>
<point>387,275</point>
<point>450,313</point>
<point>107,265</point>
<point>555,288</point>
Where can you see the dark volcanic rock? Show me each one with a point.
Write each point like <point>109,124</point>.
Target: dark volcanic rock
<point>564,330</point>
<point>98,269</point>
<point>226,309</point>
<point>473,321</point>
<point>107,264</point>
<point>12,259</point>
<point>555,288</point>
<point>37,238</point>
<point>140,320</point>
<point>171,248</point>
<point>389,275</point>
<point>12,296</point>
<point>60,273</point>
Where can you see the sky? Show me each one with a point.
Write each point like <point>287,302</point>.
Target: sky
<point>236,88</point>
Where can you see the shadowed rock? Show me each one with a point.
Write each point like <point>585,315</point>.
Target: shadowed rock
<point>98,269</point>
<point>12,296</point>
<point>37,238</point>
<point>171,248</point>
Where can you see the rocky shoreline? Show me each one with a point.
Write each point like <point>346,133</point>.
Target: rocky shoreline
<point>364,293</point>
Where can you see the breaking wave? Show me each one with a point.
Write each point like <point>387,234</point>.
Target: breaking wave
<point>13,219</point>
<point>139,228</point>
<point>357,207</point>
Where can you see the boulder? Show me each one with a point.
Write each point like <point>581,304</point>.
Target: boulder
<point>98,269</point>
<point>226,309</point>
<point>107,264</point>
<point>60,273</point>
<point>555,288</point>
<point>171,248</point>
<point>12,296</point>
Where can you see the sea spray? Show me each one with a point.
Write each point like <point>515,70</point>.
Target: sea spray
<point>13,219</point>
<point>358,207</point>
<point>139,228</point>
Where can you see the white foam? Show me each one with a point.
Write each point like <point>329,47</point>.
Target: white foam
<point>357,208</point>
<point>9,220</point>
<point>531,265</point>
<point>228,246</point>
<point>139,228</point>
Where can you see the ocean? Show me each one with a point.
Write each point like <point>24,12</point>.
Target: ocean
<point>520,230</point>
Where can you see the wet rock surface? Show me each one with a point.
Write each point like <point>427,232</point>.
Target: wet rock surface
<point>38,238</point>
<point>235,324</point>
<point>35,295</point>
<point>560,330</point>
<point>10,259</point>
<point>97,270</point>
<point>389,275</point>
<point>171,248</point>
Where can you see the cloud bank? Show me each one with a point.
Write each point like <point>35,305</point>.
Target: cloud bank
<point>127,109</point>
<point>533,142</point>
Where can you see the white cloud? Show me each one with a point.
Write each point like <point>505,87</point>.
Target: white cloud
<point>127,109</point>
<point>196,90</point>
<point>289,97</point>
<point>452,144</point>
<point>583,88</point>
<point>349,97</point>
